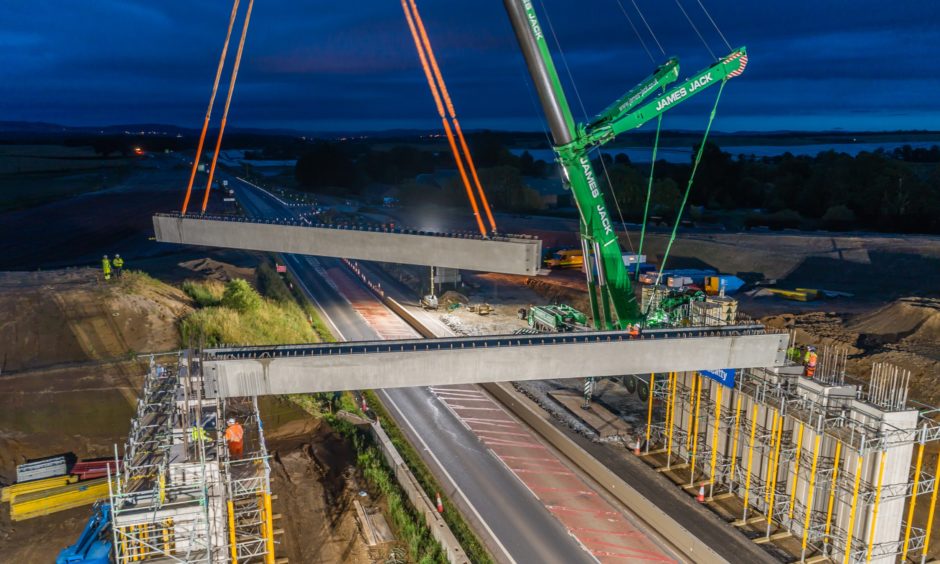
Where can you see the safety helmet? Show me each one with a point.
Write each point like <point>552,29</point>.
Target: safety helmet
<point>231,421</point>
<point>105,256</point>
<point>812,349</point>
<point>117,255</point>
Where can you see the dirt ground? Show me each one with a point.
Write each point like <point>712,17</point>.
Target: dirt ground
<point>315,480</point>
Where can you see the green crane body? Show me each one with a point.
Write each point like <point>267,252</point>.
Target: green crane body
<point>618,306</point>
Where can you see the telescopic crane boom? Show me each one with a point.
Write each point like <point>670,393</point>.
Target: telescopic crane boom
<point>573,143</point>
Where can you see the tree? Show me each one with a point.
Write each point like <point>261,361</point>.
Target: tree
<point>240,296</point>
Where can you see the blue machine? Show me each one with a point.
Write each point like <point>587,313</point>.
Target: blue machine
<point>94,544</point>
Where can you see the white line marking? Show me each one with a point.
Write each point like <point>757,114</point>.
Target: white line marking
<point>449,477</point>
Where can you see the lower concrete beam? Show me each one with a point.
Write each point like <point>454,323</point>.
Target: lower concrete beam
<point>508,255</point>
<point>396,364</point>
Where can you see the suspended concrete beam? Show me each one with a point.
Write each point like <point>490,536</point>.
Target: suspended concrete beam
<point>259,371</point>
<point>508,255</point>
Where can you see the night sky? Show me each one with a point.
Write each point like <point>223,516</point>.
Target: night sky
<point>341,66</point>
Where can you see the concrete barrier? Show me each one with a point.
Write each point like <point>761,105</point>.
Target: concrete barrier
<point>419,500</point>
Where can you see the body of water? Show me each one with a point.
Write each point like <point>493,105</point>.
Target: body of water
<point>684,154</point>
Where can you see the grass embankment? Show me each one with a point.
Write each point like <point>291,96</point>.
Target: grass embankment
<point>235,313</point>
<point>465,536</point>
<point>409,525</point>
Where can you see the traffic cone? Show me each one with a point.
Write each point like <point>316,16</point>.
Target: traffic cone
<point>440,504</point>
<point>701,494</point>
<point>636,447</point>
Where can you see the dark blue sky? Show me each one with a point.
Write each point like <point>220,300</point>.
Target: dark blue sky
<point>814,64</point>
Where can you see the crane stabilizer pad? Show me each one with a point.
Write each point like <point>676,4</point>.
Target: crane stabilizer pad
<point>520,255</point>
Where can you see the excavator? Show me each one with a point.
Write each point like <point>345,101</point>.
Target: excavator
<point>608,280</point>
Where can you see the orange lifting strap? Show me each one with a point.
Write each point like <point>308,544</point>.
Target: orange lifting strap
<point>228,102</point>
<point>215,89</point>
<point>436,81</point>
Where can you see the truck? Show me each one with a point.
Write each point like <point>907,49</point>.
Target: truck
<point>565,258</point>
<point>555,318</point>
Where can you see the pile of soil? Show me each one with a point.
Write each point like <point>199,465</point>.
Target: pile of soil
<point>905,333</point>
<point>211,269</point>
<point>53,317</point>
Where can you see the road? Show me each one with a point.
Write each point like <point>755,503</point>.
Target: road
<point>511,521</point>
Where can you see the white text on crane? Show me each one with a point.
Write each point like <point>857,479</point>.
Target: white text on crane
<point>589,175</point>
<point>533,20</point>
<point>682,92</point>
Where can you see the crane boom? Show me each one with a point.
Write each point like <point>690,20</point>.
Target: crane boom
<point>573,143</point>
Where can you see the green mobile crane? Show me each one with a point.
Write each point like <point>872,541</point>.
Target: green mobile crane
<point>608,277</point>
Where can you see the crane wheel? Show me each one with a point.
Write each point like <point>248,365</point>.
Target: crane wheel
<point>643,390</point>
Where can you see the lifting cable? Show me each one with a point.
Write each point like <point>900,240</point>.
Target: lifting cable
<point>215,89</point>
<point>688,188</point>
<point>694,28</point>
<point>649,191</point>
<point>439,90</point>
<point>228,102</point>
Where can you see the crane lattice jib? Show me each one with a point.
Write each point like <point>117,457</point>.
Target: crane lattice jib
<point>573,142</point>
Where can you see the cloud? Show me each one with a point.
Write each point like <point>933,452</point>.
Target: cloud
<point>816,64</point>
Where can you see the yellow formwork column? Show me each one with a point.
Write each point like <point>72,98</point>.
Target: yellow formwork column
<point>913,504</point>
<point>693,395</point>
<point>770,457</point>
<point>734,441</point>
<point>269,529</point>
<point>694,425</point>
<point>649,411</point>
<point>711,485</point>
<point>750,461</point>
<point>874,511</point>
<point>851,528</point>
<point>832,489</point>
<point>671,419</point>
<point>796,470</point>
<point>809,497</point>
<point>930,513</point>
<point>772,486</point>
<point>231,531</point>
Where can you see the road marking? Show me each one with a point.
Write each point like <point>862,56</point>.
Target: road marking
<point>282,202</point>
<point>449,477</point>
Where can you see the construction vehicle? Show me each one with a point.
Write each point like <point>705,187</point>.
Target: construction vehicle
<point>95,543</point>
<point>670,310</point>
<point>555,318</point>
<point>573,142</point>
<point>566,258</point>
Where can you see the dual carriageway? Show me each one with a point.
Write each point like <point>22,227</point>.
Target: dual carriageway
<point>525,500</point>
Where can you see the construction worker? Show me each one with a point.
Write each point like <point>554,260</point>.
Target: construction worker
<point>234,436</point>
<point>106,267</point>
<point>810,362</point>
<point>118,264</point>
<point>633,331</point>
<point>199,434</point>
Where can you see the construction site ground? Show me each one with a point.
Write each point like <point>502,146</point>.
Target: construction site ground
<point>69,380</point>
<point>872,327</point>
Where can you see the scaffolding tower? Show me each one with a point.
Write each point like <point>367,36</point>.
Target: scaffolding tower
<point>823,461</point>
<point>179,496</point>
